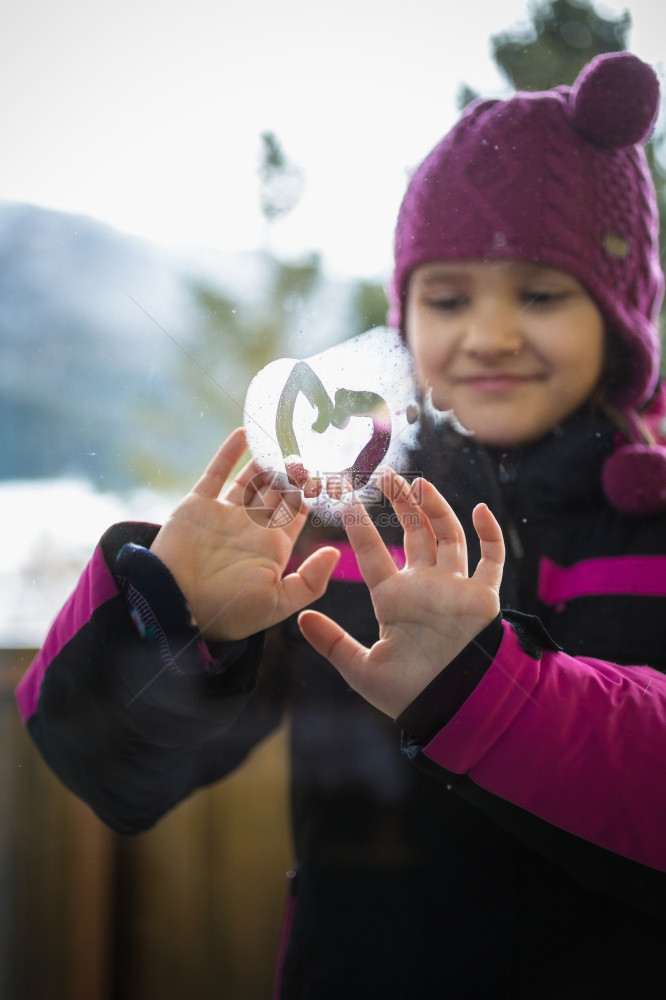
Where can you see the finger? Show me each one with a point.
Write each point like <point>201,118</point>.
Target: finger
<point>219,468</point>
<point>419,538</point>
<point>269,496</point>
<point>491,564</point>
<point>308,582</point>
<point>332,642</point>
<point>451,542</point>
<point>247,482</point>
<point>374,559</point>
<point>299,477</point>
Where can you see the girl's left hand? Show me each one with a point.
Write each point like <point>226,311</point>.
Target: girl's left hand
<point>428,611</point>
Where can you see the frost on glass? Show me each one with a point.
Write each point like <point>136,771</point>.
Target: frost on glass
<point>328,421</point>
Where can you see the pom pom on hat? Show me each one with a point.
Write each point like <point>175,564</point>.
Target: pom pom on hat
<point>634,479</point>
<point>634,476</point>
<point>615,100</point>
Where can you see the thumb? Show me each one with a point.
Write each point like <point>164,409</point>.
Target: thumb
<point>317,568</point>
<point>308,582</point>
<point>491,564</point>
<point>331,641</point>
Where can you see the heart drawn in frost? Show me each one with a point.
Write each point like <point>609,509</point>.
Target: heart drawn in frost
<point>331,413</point>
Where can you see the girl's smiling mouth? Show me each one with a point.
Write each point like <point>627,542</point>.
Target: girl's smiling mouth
<point>496,382</point>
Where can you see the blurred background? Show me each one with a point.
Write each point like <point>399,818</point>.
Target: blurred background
<point>188,192</point>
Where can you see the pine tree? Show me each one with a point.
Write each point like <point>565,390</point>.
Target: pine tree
<point>281,181</point>
<point>562,38</point>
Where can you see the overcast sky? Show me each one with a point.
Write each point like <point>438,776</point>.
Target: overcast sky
<point>147,113</point>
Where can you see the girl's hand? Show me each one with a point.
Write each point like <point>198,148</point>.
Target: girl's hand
<point>228,553</point>
<point>428,611</point>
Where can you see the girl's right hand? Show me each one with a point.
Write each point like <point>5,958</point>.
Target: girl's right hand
<point>228,552</point>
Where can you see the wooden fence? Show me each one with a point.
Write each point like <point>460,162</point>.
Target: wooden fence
<point>191,908</point>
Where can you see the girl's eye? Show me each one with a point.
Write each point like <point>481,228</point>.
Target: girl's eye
<point>447,303</point>
<point>542,297</point>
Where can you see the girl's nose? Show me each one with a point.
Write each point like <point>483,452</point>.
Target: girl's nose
<point>494,329</point>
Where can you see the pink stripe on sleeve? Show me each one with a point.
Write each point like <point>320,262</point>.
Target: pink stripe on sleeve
<point>347,569</point>
<point>642,575</point>
<point>575,741</point>
<point>96,585</point>
<point>498,699</point>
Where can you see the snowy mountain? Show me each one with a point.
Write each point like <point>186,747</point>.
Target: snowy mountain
<point>112,366</point>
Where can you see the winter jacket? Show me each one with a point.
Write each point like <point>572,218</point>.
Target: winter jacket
<point>506,837</point>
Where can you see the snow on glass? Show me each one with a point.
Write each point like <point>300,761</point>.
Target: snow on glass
<point>328,421</point>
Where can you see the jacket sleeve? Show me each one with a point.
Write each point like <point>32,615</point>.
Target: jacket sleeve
<point>567,753</point>
<point>126,703</point>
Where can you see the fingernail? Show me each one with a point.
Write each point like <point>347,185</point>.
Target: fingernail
<point>312,487</point>
<point>334,487</point>
<point>297,474</point>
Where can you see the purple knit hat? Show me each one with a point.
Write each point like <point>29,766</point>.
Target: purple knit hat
<point>556,177</point>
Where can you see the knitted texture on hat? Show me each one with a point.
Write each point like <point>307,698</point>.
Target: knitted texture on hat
<point>559,178</point>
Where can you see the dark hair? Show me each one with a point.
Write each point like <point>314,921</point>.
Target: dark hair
<point>619,369</point>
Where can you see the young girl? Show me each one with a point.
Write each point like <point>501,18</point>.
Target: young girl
<point>479,802</point>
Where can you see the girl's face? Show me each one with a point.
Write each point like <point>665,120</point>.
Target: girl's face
<point>511,347</point>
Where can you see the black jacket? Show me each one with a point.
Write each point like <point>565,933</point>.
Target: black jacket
<point>507,838</point>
